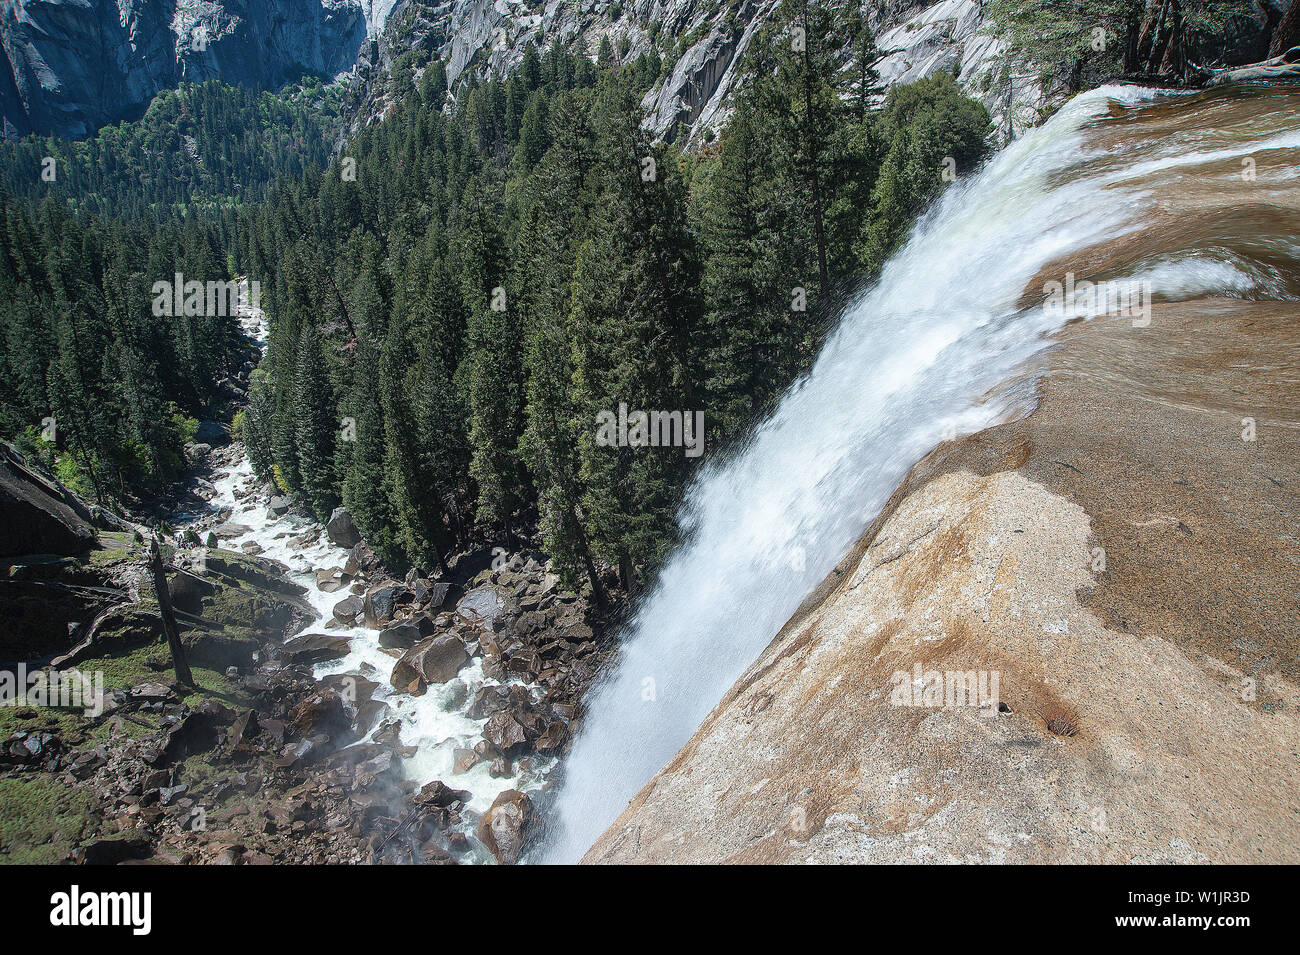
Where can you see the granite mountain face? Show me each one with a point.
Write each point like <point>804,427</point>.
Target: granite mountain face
<point>72,66</point>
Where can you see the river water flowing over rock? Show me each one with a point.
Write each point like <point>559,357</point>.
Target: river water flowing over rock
<point>433,725</point>
<point>1171,197</point>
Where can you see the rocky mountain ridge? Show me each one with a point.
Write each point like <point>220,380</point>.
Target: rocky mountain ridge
<point>71,66</point>
<point>701,43</point>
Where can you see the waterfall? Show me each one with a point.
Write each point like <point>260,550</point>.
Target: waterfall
<point>922,356</point>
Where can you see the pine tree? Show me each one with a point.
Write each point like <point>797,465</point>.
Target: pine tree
<point>362,458</point>
<point>550,440</point>
<point>756,330</point>
<point>411,487</point>
<point>492,371</point>
<point>634,325</point>
<point>925,124</point>
<point>795,81</point>
<point>315,425</point>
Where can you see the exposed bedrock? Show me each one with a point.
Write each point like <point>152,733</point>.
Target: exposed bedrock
<point>1124,560</point>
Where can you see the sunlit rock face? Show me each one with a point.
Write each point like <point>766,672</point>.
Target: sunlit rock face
<point>702,45</point>
<point>70,66</point>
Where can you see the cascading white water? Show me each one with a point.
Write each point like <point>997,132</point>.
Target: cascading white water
<point>433,724</point>
<point>916,359</point>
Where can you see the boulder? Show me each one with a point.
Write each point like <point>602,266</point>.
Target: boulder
<point>505,732</point>
<point>433,660</point>
<point>380,603</point>
<point>330,579</point>
<point>400,636</point>
<point>28,747</point>
<point>481,606</point>
<point>341,530</point>
<point>507,826</point>
<point>230,530</point>
<point>368,715</point>
<point>244,730</point>
<point>437,595</point>
<point>188,591</point>
<point>153,693</point>
<point>310,648</point>
<point>463,760</point>
<point>322,712</point>
<point>278,506</point>
<point>347,610</point>
<point>111,851</point>
<point>352,687</point>
<point>552,738</point>
<point>361,560</point>
<point>196,732</point>
<point>38,516</point>
<point>488,701</point>
<point>307,538</point>
<point>219,651</point>
<point>438,793</point>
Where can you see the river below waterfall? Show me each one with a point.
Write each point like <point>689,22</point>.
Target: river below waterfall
<point>433,725</point>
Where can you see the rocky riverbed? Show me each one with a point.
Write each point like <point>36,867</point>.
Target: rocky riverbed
<point>339,713</point>
<point>462,690</point>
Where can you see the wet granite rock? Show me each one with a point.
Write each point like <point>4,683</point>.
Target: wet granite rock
<point>506,828</point>
<point>433,660</point>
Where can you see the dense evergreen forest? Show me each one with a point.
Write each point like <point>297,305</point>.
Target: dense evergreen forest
<point>197,149</point>
<point>457,299</point>
<point>95,385</point>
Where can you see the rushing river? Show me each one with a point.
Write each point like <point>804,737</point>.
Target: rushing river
<point>435,723</point>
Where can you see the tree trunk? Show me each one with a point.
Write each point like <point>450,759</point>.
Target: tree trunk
<point>1132,42</point>
<point>1146,35</point>
<point>625,574</point>
<point>1287,33</point>
<point>597,587</point>
<point>174,644</point>
<point>1155,36</point>
<point>1173,58</point>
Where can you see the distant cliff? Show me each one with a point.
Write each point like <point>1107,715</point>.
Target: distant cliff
<point>71,66</point>
<point>701,43</point>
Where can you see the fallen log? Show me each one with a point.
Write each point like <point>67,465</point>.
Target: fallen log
<point>1277,68</point>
